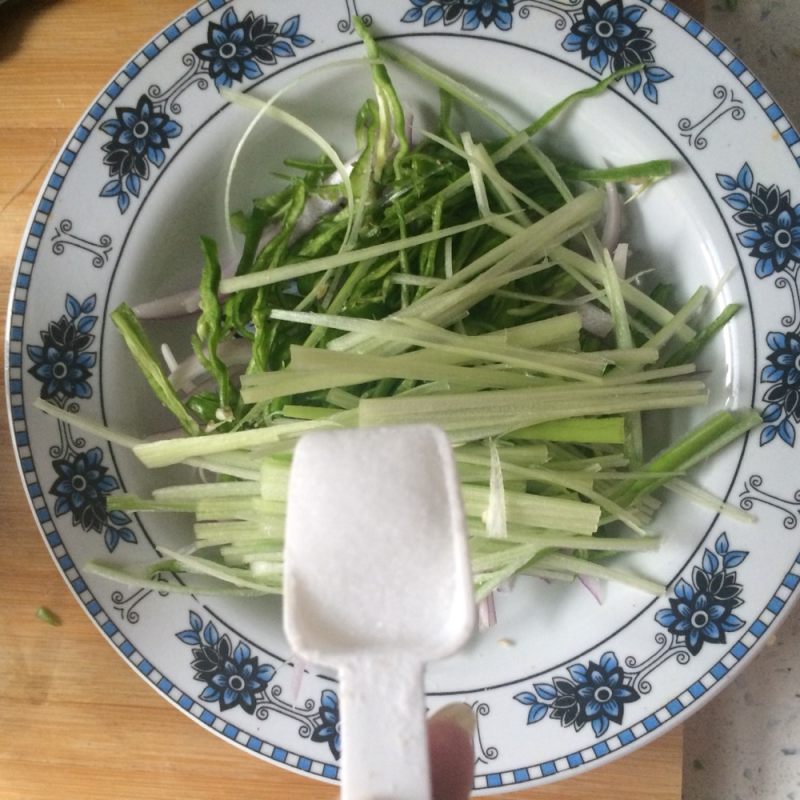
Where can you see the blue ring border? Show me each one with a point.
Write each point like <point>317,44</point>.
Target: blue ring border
<point>666,714</point>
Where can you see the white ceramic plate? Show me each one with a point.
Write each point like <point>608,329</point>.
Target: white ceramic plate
<point>561,683</point>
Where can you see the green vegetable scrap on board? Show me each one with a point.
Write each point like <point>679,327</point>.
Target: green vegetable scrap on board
<point>453,279</point>
<point>46,615</point>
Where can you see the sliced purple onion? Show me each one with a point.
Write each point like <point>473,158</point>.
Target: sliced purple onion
<point>487,613</point>
<point>594,586</point>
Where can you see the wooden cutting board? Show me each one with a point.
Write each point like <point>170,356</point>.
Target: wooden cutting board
<point>75,721</point>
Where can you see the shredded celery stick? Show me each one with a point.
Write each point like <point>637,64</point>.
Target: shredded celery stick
<point>289,272</point>
<point>702,497</point>
<point>463,284</point>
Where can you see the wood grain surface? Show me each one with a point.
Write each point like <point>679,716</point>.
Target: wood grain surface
<point>75,721</point>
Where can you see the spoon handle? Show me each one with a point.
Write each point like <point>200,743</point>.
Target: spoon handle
<point>384,739</point>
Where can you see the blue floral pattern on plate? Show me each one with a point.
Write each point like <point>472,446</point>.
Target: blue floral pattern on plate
<point>471,13</point>
<point>63,365</point>
<point>232,675</point>
<point>772,224</point>
<point>783,397</point>
<point>698,613</point>
<point>233,52</point>
<point>701,612</point>
<point>81,487</point>
<point>139,137</point>
<point>608,34</point>
<point>329,730</point>
<point>594,693</point>
<point>235,678</point>
<point>235,48</point>
<point>771,236</point>
<point>63,362</point>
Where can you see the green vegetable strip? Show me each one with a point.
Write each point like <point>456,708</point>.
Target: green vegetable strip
<point>514,454</point>
<point>622,378</point>
<point>684,314</point>
<point>215,533</point>
<point>561,330</point>
<point>375,283</point>
<point>445,303</point>
<point>544,233</point>
<point>697,445</point>
<point>701,496</point>
<point>645,171</point>
<point>205,490</point>
<point>577,483</point>
<point>557,541</point>
<point>633,296</point>
<point>494,413</point>
<point>84,423</point>
<point>446,83</point>
<point>508,194</point>
<point>583,94</point>
<point>473,100</point>
<point>291,411</point>
<point>145,357</point>
<point>578,366</point>
<point>616,302</point>
<point>520,139</point>
<point>146,579</point>
<point>478,157</point>
<point>691,349</point>
<point>601,430</point>
<point>210,328</point>
<point>173,451</point>
<point>467,427</point>
<point>391,107</point>
<point>579,566</point>
<point>290,272</point>
<point>536,511</point>
<point>475,173</point>
<point>347,369</point>
<point>342,399</point>
<point>240,578</point>
<point>227,465</point>
<point>580,483</point>
<point>131,502</point>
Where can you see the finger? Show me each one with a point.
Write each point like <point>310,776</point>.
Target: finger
<point>450,734</point>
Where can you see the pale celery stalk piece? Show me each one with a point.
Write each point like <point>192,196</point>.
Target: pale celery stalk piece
<point>243,523</point>
<point>290,272</point>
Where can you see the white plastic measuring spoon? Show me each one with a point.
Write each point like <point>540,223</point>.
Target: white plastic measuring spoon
<point>376,583</point>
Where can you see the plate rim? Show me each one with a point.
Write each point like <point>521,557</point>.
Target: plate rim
<point>65,565</point>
